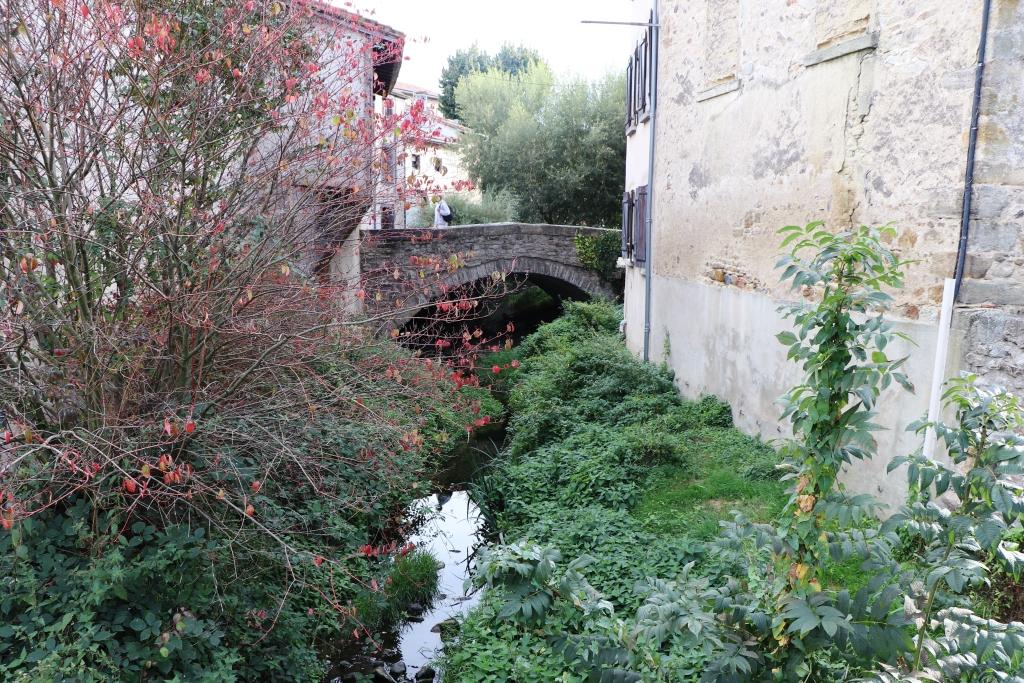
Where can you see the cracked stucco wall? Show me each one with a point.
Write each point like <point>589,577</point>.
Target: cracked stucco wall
<point>876,135</point>
<point>853,112</point>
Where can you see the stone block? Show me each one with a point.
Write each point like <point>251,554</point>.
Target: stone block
<point>998,236</point>
<point>997,292</point>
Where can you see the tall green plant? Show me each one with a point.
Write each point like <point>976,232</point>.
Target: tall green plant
<point>840,342</point>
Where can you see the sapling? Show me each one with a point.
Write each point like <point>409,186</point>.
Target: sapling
<point>985,462</point>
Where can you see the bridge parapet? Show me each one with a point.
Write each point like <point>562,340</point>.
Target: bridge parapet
<point>415,266</point>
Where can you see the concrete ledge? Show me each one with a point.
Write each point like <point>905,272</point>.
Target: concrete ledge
<point>721,89</point>
<point>868,41</point>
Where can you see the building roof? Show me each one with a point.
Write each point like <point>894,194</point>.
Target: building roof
<point>385,39</point>
<point>403,90</point>
<point>352,19</point>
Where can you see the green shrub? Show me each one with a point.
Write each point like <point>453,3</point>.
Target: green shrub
<point>383,600</point>
<point>491,207</point>
<point>148,603</point>
<point>599,253</point>
<point>413,579</point>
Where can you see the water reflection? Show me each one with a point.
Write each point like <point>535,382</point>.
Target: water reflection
<point>451,536</point>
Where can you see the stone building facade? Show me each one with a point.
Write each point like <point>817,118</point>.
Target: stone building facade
<point>848,111</point>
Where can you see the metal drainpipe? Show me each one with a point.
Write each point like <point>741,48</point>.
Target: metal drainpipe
<point>972,146</point>
<point>648,227</point>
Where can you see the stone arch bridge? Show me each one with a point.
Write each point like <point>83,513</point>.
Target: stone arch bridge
<point>411,268</point>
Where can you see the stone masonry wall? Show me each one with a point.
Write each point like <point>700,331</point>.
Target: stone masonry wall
<point>991,315</point>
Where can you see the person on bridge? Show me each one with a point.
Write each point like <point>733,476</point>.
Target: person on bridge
<point>442,214</point>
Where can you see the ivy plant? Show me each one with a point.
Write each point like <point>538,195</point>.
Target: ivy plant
<point>599,253</point>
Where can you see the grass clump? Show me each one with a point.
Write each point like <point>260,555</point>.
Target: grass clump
<point>409,578</point>
<point>679,504</point>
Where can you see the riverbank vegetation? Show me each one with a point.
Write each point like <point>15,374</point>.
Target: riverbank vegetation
<point>600,454</point>
<point>639,537</point>
<point>203,449</point>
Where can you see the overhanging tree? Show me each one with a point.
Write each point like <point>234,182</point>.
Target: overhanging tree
<point>171,368</point>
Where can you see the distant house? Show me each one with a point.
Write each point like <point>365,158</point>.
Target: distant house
<point>437,167</point>
<point>745,116</point>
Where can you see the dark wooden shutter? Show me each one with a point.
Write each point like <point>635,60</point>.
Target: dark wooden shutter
<point>629,94</point>
<point>627,224</point>
<point>640,210</point>
<point>649,65</point>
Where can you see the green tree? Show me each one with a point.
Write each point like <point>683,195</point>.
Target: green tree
<point>557,146</point>
<point>511,59</point>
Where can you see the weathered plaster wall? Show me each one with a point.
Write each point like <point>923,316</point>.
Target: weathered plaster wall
<point>637,145</point>
<point>853,112</point>
<point>874,136</point>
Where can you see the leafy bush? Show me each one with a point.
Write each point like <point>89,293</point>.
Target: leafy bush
<point>148,603</point>
<point>987,459</point>
<point>599,253</point>
<point>491,207</point>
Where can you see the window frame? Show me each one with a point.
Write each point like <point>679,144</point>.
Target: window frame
<point>638,81</point>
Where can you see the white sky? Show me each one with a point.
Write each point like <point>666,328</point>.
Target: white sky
<point>435,29</point>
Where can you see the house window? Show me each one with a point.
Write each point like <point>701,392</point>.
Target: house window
<point>634,225</point>
<point>640,210</point>
<point>415,162</point>
<point>638,80</point>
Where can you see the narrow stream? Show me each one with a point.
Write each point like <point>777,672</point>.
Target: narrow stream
<point>451,537</point>
<point>453,530</point>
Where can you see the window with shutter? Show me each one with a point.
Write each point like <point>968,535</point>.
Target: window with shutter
<point>640,210</point>
<point>638,81</point>
<point>627,224</point>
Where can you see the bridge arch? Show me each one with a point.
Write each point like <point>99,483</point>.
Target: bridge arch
<point>544,255</point>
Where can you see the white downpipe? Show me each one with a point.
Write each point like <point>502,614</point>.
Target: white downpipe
<point>939,371</point>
